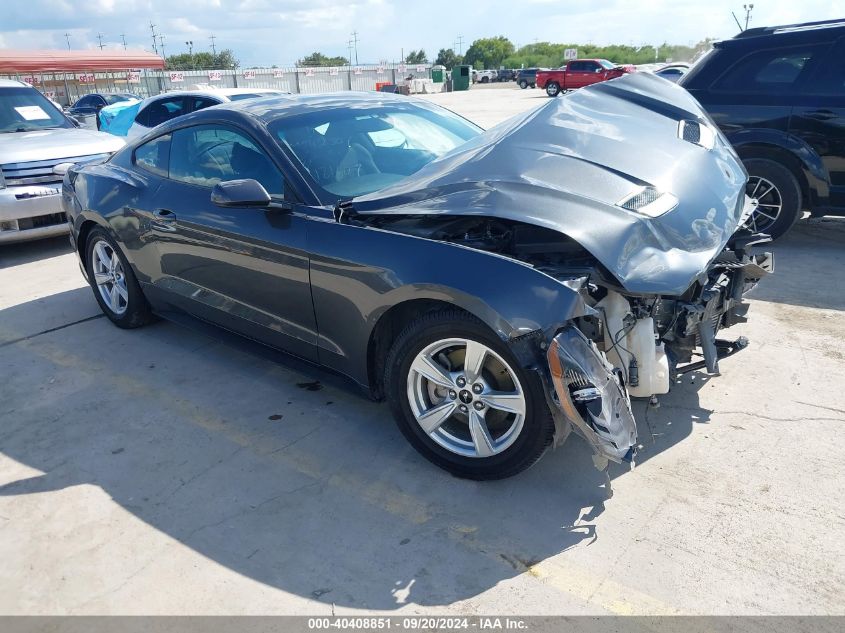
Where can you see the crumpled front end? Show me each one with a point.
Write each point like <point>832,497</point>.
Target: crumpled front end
<point>591,393</point>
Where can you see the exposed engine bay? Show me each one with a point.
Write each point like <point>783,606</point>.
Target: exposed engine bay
<point>631,345</point>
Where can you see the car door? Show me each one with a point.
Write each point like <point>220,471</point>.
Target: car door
<point>245,269</point>
<point>757,92</point>
<point>578,75</point>
<point>818,117</point>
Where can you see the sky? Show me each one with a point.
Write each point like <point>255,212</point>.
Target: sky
<point>267,32</point>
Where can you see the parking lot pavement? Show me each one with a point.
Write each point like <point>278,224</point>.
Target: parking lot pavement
<point>159,471</point>
<point>489,104</point>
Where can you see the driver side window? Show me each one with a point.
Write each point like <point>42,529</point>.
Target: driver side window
<point>204,155</point>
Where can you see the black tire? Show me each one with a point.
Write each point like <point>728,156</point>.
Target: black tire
<point>523,84</point>
<point>787,190</point>
<point>553,88</point>
<point>485,80</point>
<point>533,85</point>
<point>137,311</point>
<point>538,426</point>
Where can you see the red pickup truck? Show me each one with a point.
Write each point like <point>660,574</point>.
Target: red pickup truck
<point>579,73</point>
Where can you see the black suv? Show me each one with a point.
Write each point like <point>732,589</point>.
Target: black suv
<point>526,77</point>
<point>778,94</point>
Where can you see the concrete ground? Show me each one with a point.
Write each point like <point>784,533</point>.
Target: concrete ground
<point>157,471</point>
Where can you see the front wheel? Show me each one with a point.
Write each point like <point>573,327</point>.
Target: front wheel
<point>552,89</point>
<point>462,399</point>
<point>523,84</point>
<point>114,284</point>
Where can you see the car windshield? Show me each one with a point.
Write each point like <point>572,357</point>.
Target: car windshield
<point>24,109</point>
<point>112,99</point>
<point>354,151</point>
<point>607,64</point>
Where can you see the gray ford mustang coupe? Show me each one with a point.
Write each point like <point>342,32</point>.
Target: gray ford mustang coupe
<point>498,288</point>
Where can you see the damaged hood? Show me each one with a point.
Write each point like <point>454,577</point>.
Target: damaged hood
<point>570,164</point>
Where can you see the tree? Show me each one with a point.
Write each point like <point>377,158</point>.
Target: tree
<point>447,57</point>
<point>416,57</point>
<point>489,52</point>
<point>318,59</point>
<point>203,60</point>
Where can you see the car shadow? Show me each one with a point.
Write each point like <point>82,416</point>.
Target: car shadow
<point>809,266</point>
<point>255,465</point>
<point>27,252</point>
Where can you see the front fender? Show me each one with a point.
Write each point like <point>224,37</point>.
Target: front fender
<point>812,166</point>
<point>359,273</point>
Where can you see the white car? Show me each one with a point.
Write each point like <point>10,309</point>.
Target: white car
<point>484,76</point>
<point>156,110</point>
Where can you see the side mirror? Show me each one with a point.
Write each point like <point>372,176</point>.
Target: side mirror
<point>240,193</point>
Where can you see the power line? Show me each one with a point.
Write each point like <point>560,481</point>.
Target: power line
<point>460,43</point>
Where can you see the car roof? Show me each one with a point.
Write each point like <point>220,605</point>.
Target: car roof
<point>224,93</point>
<point>290,105</point>
<point>13,83</point>
<point>270,108</point>
<point>804,32</point>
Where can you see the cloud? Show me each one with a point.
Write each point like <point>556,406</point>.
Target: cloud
<point>265,32</point>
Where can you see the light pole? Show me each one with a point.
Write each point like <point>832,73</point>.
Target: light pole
<point>748,8</point>
<point>190,45</point>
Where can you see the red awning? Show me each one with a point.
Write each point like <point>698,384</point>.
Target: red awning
<point>36,61</point>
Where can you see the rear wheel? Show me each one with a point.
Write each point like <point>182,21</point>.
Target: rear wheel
<point>553,88</point>
<point>463,401</point>
<point>523,84</point>
<point>114,284</point>
<point>778,196</point>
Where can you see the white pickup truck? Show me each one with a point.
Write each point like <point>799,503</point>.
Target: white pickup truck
<point>37,145</point>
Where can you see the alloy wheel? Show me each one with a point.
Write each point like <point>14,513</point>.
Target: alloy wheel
<point>109,277</point>
<point>466,397</point>
<point>769,203</point>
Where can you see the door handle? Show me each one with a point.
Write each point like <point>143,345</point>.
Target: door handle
<point>164,220</point>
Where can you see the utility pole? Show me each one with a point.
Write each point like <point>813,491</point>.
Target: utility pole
<point>355,44</point>
<point>213,49</point>
<point>161,41</point>
<point>100,39</point>
<point>153,31</point>
<point>349,47</point>
<point>67,38</point>
<point>748,8</point>
<point>460,43</point>
<point>123,37</point>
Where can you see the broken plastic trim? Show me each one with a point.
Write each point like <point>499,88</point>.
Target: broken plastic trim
<point>591,395</point>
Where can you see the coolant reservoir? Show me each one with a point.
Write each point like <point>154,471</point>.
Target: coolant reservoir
<point>639,343</point>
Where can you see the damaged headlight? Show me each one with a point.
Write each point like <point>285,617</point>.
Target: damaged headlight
<point>649,201</point>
